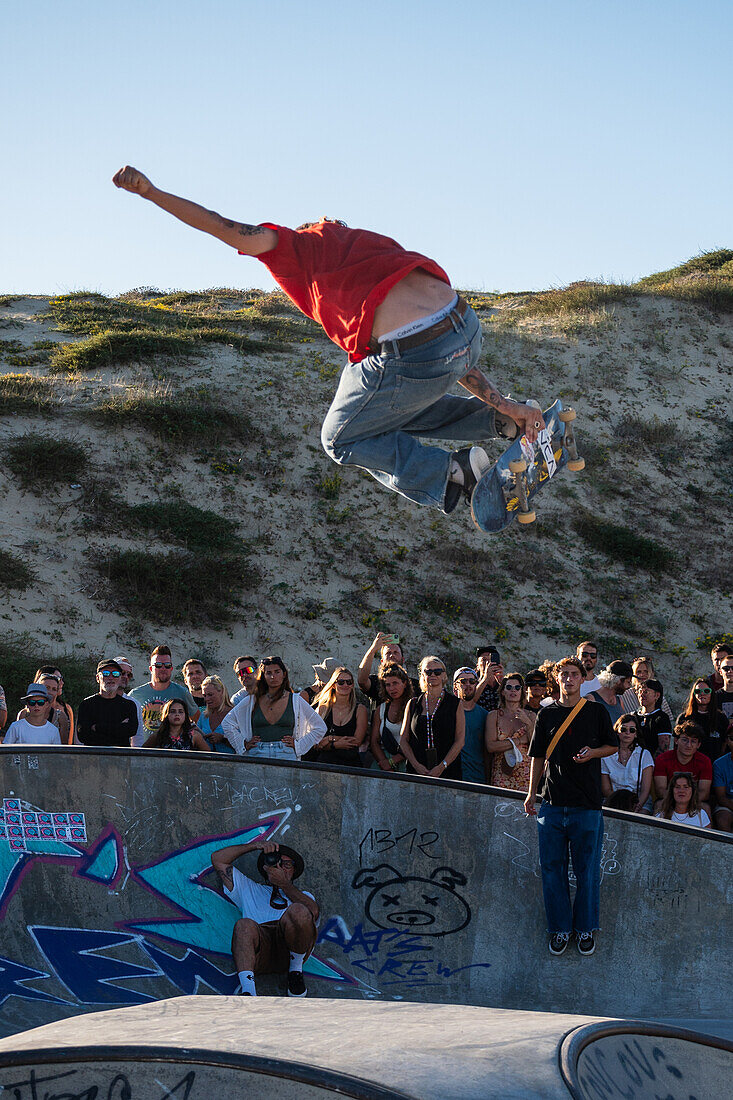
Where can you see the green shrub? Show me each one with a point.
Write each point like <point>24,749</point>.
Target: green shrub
<point>36,459</point>
<point>188,419</point>
<point>177,586</point>
<point>114,349</point>
<point>20,657</point>
<point>581,297</point>
<point>170,521</point>
<point>716,262</point>
<point>14,573</point>
<point>624,544</point>
<point>20,393</point>
<point>638,433</point>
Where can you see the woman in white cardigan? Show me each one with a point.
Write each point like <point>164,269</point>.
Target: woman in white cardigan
<point>273,722</point>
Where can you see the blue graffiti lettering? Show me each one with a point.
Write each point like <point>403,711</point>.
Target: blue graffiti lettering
<point>91,977</point>
<point>404,957</point>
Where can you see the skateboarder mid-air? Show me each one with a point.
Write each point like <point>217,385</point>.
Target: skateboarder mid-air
<point>408,336</point>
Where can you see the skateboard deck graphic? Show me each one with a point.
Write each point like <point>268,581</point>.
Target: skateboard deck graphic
<point>504,492</point>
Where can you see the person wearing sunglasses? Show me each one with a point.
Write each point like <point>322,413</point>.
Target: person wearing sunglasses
<point>346,721</point>
<point>107,719</point>
<point>60,713</point>
<point>434,726</point>
<point>702,708</point>
<point>56,713</point>
<point>245,669</point>
<point>35,728</point>
<point>273,722</point>
<point>626,775</point>
<point>159,689</point>
<point>510,728</point>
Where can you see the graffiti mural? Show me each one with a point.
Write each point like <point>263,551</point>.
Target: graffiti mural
<point>428,906</point>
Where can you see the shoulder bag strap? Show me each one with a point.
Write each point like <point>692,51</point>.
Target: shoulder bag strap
<point>575,711</point>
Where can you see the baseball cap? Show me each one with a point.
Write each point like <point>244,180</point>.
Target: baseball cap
<point>109,663</point>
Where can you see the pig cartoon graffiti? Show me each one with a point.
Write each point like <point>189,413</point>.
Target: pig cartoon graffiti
<point>425,906</point>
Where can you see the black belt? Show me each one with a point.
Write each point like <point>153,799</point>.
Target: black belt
<point>427,334</point>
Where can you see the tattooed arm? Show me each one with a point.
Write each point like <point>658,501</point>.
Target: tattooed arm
<point>525,416</point>
<point>251,239</point>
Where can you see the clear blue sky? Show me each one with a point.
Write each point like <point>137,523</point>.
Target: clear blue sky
<point>521,145</point>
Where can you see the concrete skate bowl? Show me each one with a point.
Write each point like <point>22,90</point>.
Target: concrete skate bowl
<point>637,1061</point>
<point>196,1047</point>
<point>163,1074</point>
<point>429,890</point>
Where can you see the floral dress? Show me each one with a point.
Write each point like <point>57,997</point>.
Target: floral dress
<point>519,778</point>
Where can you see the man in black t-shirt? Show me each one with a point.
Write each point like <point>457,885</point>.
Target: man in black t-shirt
<point>570,817</point>
<point>107,719</point>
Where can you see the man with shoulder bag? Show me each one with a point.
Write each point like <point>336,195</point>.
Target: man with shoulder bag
<point>569,741</point>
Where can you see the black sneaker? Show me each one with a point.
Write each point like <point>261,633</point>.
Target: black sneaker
<point>296,984</point>
<point>559,942</point>
<point>474,463</point>
<point>586,943</point>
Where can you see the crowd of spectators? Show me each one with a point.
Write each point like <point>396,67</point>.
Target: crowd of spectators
<point>475,724</point>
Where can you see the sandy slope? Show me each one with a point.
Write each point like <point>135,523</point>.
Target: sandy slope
<point>369,558</point>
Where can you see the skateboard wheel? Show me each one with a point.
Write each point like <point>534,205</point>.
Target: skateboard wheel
<point>518,466</point>
<point>567,416</point>
<point>576,464</point>
<point>526,517</point>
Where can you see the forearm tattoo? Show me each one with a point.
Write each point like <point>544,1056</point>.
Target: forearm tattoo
<point>476,382</point>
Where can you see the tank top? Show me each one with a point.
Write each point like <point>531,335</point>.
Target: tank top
<point>348,758</point>
<point>389,732</point>
<point>274,731</point>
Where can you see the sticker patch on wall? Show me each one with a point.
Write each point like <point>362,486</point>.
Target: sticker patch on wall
<point>21,827</point>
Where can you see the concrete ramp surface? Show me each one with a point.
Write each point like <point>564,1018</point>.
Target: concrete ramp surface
<point>196,1047</point>
<point>429,891</point>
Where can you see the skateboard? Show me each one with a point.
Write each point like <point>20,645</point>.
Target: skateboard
<point>504,492</point>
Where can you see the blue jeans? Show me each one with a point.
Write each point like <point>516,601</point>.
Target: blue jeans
<point>385,403</point>
<point>563,829</point>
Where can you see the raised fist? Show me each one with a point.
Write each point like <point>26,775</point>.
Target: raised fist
<point>129,179</point>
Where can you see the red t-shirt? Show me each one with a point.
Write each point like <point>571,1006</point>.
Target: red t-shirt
<point>338,277</point>
<point>667,763</point>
